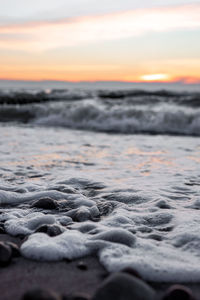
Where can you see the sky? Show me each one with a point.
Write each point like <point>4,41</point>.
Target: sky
<point>107,40</point>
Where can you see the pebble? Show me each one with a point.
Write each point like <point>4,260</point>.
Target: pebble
<point>178,292</point>
<point>45,203</point>
<point>82,214</point>
<point>2,229</point>
<point>51,230</point>
<point>14,248</point>
<point>82,266</point>
<point>121,286</point>
<point>40,294</point>
<point>5,254</point>
<point>131,272</point>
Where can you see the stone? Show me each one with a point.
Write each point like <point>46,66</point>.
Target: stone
<point>41,294</point>
<point>45,203</point>
<point>131,272</point>
<point>82,214</point>
<point>122,286</point>
<point>2,229</point>
<point>178,292</point>
<point>5,254</point>
<point>14,248</point>
<point>82,266</point>
<point>51,230</point>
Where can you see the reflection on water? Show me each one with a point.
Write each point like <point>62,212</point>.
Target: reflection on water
<point>110,158</point>
<point>146,186</point>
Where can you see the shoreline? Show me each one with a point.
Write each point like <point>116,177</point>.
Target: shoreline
<point>67,278</point>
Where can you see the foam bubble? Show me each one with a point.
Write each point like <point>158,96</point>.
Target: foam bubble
<point>69,245</point>
<point>26,223</point>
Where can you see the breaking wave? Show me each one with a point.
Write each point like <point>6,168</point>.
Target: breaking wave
<point>161,112</point>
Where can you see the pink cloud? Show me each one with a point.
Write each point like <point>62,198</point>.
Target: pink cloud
<point>83,30</point>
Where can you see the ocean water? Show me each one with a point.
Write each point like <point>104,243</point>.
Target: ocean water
<point>123,169</point>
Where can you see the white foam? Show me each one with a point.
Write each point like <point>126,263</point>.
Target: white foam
<point>135,201</point>
<point>155,262</point>
<point>13,198</point>
<point>26,222</point>
<point>70,245</point>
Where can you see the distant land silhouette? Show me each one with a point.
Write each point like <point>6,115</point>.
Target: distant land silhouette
<point>48,84</point>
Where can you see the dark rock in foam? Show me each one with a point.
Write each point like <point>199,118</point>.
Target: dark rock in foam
<point>82,266</point>
<point>121,286</point>
<point>45,203</point>
<point>51,230</point>
<point>14,248</point>
<point>178,292</point>
<point>82,214</point>
<point>2,229</point>
<point>131,272</point>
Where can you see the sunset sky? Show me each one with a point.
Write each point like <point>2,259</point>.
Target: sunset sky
<point>90,40</point>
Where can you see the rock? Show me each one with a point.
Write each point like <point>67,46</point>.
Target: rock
<point>2,229</point>
<point>95,214</point>
<point>155,237</point>
<point>45,203</point>
<point>82,214</point>
<point>105,208</point>
<point>21,236</point>
<point>20,190</point>
<point>69,190</point>
<point>40,294</point>
<point>14,248</point>
<point>178,292</point>
<point>121,286</point>
<point>104,275</point>
<point>51,230</point>
<point>5,254</point>
<point>82,266</point>
<point>132,272</point>
<point>163,204</point>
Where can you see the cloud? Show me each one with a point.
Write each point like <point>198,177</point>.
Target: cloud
<point>84,30</point>
<point>18,11</point>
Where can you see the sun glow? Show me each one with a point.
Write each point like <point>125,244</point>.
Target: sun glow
<point>155,77</point>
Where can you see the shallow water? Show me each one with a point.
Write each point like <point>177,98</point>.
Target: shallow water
<point>133,200</point>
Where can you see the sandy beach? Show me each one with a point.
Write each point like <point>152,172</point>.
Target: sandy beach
<point>70,279</point>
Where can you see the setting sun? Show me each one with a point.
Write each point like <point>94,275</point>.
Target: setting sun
<point>155,77</point>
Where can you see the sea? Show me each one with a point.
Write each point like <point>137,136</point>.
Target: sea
<point>110,172</point>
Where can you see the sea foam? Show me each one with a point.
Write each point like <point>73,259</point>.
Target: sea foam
<point>158,112</point>
<point>131,200</point>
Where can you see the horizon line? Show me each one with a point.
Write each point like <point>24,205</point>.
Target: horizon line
<point>184,82</point>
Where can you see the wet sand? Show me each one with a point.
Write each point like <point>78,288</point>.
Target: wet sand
<point>64,277</point>
<point>67,278</point>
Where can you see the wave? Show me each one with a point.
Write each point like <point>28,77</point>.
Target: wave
<point>129,112</point>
